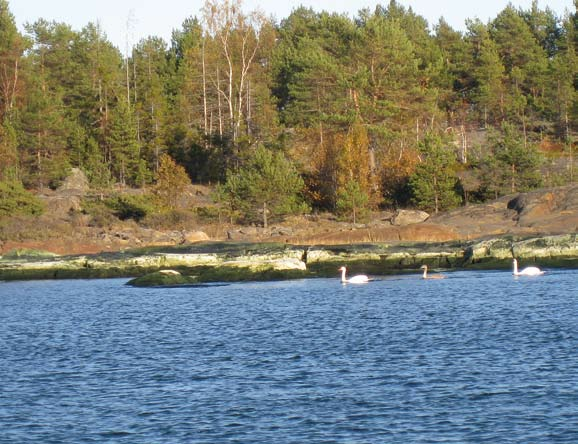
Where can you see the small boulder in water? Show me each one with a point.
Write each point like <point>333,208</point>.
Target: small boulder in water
<point>163,278</point>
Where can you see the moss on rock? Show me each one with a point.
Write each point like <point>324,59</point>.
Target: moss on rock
<point>163,278</point>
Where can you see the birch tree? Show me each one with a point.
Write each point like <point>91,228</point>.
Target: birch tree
<point>11,48</point>
<point>238,38</point>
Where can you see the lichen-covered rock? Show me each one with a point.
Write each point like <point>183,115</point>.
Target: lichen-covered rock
<point>76,180</point>
<point>226,261</point>
<point>210,261</point>
<point>26,253</point>
<point>406,217</point>
<point>194,236</point>
<point>559,250</point>
<point>562,246</point>
<point>289,263</point>
<point>383,257</point>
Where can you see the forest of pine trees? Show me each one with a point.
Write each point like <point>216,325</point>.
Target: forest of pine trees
<point>381,110</point>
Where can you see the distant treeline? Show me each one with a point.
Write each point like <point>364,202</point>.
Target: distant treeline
<point>376,110</point>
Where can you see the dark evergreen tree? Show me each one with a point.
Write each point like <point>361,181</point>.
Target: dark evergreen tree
<point>45,122</point>
<point>98,82</point>
<point>433,183</point>
<point>149,98</point>
<point>488,73</point>
<point>267,187</point>
<point>525,64</point>
<point>128,166</point>
<point>518,163</point>
<point>352,201</point>
<point>15,200</point>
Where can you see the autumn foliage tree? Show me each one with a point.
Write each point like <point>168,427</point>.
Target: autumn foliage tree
<point>171,182</point>
<point>354,160</point>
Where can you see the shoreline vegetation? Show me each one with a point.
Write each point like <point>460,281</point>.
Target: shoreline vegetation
<point>214,261</point>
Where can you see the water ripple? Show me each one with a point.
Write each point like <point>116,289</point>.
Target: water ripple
<point>400,360</point>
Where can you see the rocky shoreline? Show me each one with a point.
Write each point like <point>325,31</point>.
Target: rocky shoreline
<point>238,261</point>
<point>537,227</point>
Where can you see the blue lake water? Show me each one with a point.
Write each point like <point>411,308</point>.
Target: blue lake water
<point>478,357</point>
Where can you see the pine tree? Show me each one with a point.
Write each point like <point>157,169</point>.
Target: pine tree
<point>128,167</point>
<point>14,199</point>
<point>525,64</point>
<point>46,119</point>
<point>433,183</point>
<point>267,187</point>
<point>9,164</point>
<point>455,79</point>
<point>191,126</point>
<point>43,136</point>
<point>518,163</point>
<point>352,201</point>
<point>150,73</point>
<point>488,73</point>
<point>92,95</point>
<point>562,92</point>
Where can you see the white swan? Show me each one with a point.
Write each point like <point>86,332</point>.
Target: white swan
<point>358,279</point>
<point>431,276</point>
<point>528,271</point>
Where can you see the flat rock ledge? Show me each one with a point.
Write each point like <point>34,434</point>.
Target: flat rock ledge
<point>237,261</point>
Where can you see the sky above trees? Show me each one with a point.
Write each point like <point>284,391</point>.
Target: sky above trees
<point>126,22</point>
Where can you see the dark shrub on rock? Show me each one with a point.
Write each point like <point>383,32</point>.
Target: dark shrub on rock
<point>130,207</point>
<point>15,200</point>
